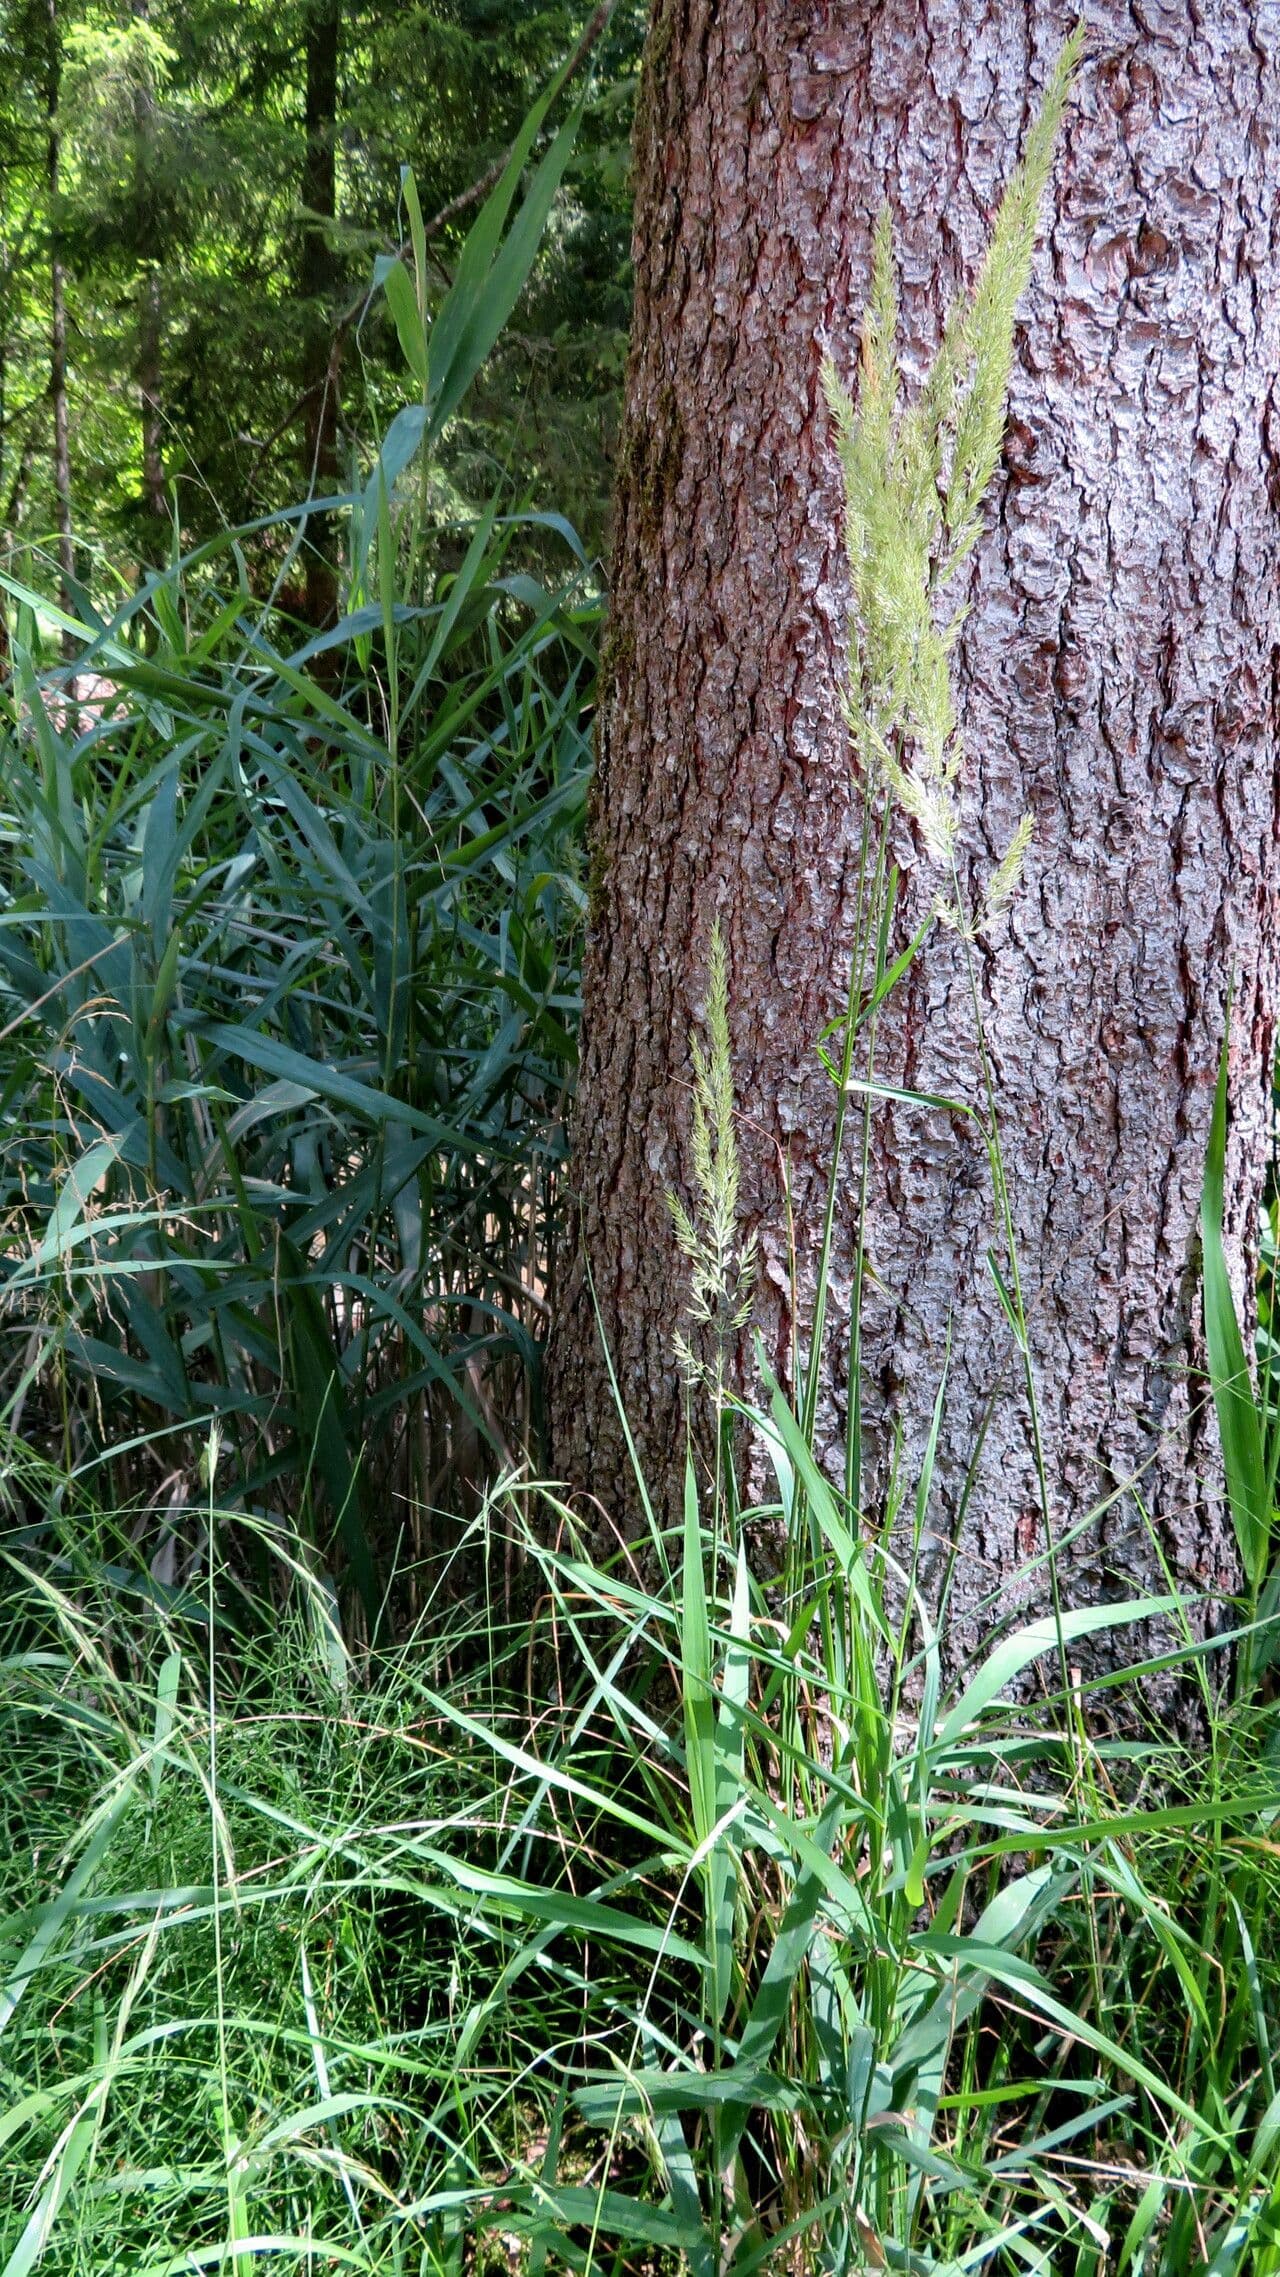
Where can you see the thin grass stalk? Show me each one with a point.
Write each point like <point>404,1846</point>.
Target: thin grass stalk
<point>1004,1214</point>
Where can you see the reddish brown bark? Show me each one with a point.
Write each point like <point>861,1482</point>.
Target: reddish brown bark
<point>1117,675</point>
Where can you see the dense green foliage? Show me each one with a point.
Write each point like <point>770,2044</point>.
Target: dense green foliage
<point>183,156</point>
<point>662,1939</point>
<point>288,962</point>
<point>290,1020</point>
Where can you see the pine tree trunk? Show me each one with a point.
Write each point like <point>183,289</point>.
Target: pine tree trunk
<point>1117,676</point>
<point>58,334</point>
<point>155,534</point>
<point>15,503</point>
<point>317,284</point>
<point>153,541</point>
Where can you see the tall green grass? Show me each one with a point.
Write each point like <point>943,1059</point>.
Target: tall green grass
<point>635,1935</point>
<point>288,995</point>
<point>941,1987</point>
<point>239,1935</point>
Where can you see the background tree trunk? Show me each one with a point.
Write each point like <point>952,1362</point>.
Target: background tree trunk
<point>317,282</point>
<point>1117,676</point>
<point>58,334</point>
<point>153,544</point>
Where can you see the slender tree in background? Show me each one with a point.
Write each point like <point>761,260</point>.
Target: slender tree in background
<point>24,171</point>
<point>317,282</point>
<point>58,322</point>
<point>152,543</point>
<point>1116,677</point>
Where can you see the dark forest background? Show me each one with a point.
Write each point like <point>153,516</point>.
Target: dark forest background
<point>192,202</point>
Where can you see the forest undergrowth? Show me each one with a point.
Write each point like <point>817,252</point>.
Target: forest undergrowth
<point>389,1882</point>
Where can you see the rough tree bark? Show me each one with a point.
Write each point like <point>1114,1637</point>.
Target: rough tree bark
<point>1118,676</point>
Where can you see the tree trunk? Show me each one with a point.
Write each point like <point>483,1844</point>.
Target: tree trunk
<point>317,284</point>
<point>153,544</point>
<point>14,504</point>
<point>58,335</point>
<point>1117,676</point>
<point>149,384</point>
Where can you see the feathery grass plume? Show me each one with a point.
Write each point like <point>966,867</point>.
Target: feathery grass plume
<point>722,1267</point>
<point>986,326</point>
<point>915,476</point>
<point>1005,878</point>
